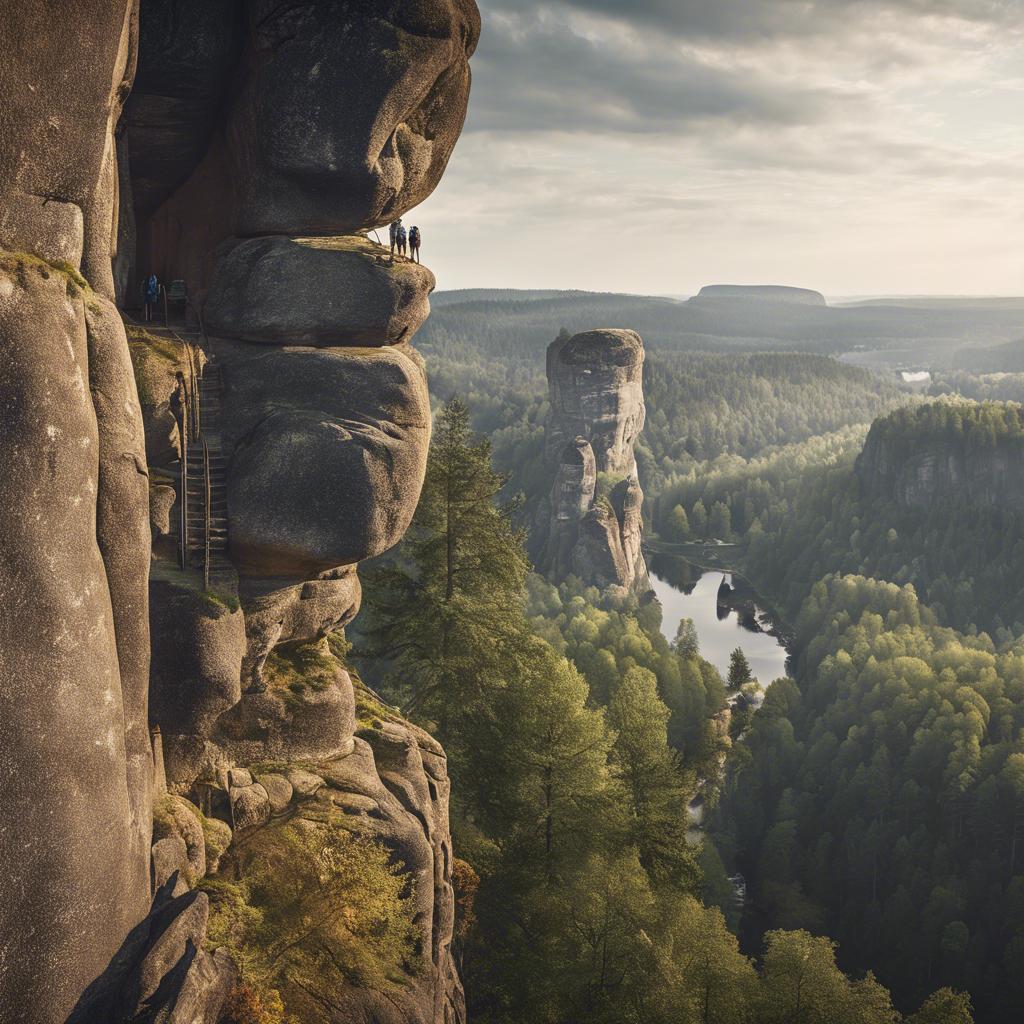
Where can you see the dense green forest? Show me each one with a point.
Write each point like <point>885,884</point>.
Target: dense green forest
<point>872,798</point>
<point>700,406</point>
<point>575,734</point>
<point>804,512</point>
<point>880,798</point>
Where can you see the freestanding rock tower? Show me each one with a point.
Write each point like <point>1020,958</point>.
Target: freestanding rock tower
<point>259,145</point>
<point>592,525</point>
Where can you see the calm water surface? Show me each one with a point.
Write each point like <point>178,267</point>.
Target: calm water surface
<point>742,620</point>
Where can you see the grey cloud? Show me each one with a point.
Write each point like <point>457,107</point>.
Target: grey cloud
<point>537,74</point>
<point>747,19</point>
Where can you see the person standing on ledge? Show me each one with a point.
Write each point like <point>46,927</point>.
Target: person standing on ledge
<point>396,226</point>
<point>403,237</point>
<point>414,244</point>
<point>150,295</point>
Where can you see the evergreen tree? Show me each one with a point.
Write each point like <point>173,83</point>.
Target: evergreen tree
<point>699,520</point>
<point>687,642</point>
<point>656,796</point>
<point>679,524</point>
<point>739,669</point>
<point>720,523</point>
<point>447,611</point>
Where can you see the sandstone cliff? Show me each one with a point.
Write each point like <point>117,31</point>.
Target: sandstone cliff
<point>259,143</point>
<point>952,453</point>
<point>592,525</point>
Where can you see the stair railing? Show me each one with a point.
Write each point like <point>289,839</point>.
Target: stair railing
<point>206,514</point>
<point>183,497</point>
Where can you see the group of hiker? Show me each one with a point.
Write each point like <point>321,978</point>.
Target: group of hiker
<point>406,242</point>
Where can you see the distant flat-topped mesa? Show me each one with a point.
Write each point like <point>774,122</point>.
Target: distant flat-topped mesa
<point>591,524</point>
<point>764,293</point>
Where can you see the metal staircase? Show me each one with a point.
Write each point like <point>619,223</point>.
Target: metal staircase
<point>206,500</point>
<point>201,526</point>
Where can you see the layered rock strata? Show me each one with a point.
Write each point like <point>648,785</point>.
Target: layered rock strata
<point>592,524</point>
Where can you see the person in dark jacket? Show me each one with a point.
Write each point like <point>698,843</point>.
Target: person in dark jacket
<point>150,295</point>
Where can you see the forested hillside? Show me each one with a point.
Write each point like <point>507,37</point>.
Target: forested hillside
<point>874,797</point>
<point>518,325</point>
<point>880,797</point>
<point>806,512</point>
<point>575,736</point>
<point>700,406</point>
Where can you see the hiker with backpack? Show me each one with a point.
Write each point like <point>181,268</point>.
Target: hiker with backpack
<point>403,237</point>
<point>414,244</point>
<point>393,231</point>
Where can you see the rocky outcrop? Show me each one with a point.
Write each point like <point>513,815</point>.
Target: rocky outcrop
<point>592,524</point>
<point>595,387</point>
<point>317,291</point>
<point>259,138</point>
<point>327,452</point>
<point>947,454</point>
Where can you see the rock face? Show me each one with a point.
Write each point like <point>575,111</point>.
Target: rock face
<point>317,291</point>
<point>592,524</point>
<point>595,386</point>
<point>75,758</point>
<point>916,465</point>
<point>259,137</point>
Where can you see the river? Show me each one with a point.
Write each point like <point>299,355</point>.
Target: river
<point>726,617</point>
<point>739,619</point>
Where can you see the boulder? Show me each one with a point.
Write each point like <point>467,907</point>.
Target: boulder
<point>279,790</point>
<point>304,784</point>
<point>276,614</point>
<point>317,291</point>
<point>250,807</point>
<point>327,454</point>
<point>307,712</point>
<point>348,113</point>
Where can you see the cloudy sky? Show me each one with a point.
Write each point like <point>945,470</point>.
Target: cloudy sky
<point>860,147</point>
